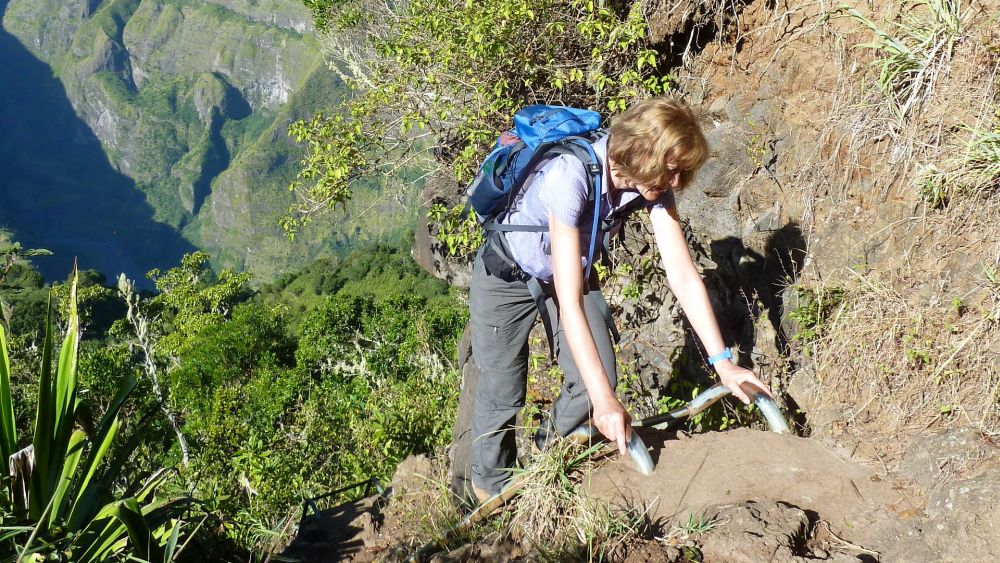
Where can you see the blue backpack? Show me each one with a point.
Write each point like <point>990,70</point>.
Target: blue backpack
<point>540,131</point>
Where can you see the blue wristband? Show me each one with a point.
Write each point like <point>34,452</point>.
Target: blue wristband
<point>726,354</point>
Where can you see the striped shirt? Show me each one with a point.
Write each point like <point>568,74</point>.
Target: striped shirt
<point>560,186</point>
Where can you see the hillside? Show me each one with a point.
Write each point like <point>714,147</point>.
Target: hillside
<point>846,227</point>
<point>153,128</point>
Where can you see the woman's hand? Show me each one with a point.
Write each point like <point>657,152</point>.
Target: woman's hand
<point>613,421</point>
<point>739,380</point>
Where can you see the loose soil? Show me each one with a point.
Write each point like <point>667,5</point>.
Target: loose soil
<point>762,496</point>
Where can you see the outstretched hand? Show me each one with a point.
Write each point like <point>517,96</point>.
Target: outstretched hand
<point>613,421</point>
<point>740,380</point>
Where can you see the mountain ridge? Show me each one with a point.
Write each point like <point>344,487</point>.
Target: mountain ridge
<point>189,100</point>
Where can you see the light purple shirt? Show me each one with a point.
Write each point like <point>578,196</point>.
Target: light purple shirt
<point>560,186</point>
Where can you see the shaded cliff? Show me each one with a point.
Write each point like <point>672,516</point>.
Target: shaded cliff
<point>59,190</point>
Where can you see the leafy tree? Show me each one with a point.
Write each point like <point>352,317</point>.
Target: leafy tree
<point>227,355</point>
<point>435,80</point>
<point>358,335</point>
<point>22,288</point>
<point>192,298</point>
<point>99,306</point>
<point>378,271</point>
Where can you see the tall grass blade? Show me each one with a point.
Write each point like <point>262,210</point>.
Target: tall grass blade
<point>152,483</point>
<point>41,483</point>
<point>8,432</point>
<point>65,384</point>
<point>171,546</point>
<point>101,535</point>
<point>120,523</point>
<point>72,460</point>
<point>106,432</point>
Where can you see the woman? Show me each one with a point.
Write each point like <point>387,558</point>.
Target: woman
<point>652,150</point>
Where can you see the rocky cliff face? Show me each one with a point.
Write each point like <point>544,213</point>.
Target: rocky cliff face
<point>850,250</point>
<point>190,100</point>
<point>815,188</point>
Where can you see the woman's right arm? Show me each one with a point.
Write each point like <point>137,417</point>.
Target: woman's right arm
<point>610,416</point>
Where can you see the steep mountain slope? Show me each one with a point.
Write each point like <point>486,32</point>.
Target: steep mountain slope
<point>59,190</point>
<point>189,100</point>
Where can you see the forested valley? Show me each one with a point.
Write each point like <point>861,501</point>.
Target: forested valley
<point>240,405</point>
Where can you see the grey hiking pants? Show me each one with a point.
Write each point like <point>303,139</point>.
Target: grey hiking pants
<point>502,314</point>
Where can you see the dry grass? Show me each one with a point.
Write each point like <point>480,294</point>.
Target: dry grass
<point>550,520</point>
<point>894,364</point>
<point>908,119</point>
<point>558,520</point>
<point>902,354</point>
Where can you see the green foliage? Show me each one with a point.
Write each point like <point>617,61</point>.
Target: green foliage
<point>226,355</point>
<point>908,56</point>
<point>98,306</point>
<point>370,388</point>
<point>71,511</point>
<point>113,16</point>
<point>271,415</point>
<point>374,271</point>
<point>816,306</point>
<point>457,71</point>
<point>193,298</point>
<point>918,348</point>
<point>460,235</point>
<point>381,338</point>
<point>697,524</point>
<point>22,286</point>
<point>10,257</point>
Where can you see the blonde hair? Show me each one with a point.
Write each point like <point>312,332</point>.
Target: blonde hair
<point>653,134</point>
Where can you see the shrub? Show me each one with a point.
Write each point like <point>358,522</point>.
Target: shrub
<point>62,504</point>
<point>435,80</point>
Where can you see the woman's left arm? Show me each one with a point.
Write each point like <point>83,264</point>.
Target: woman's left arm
<point>689,289</point>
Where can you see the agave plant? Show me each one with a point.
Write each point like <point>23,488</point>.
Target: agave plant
<point>60,491</point>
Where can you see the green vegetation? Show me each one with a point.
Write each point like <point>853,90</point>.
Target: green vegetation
<point>446,70</point>
<point>190,100</point>
<point>376,272</point>
<point>256,408</point>
<point>57,508</point>
<point>697,524</point>
<point>816,307</point>
<point>461,235</point>
<point>113,16</point>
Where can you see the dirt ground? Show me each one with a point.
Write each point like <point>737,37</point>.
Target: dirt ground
<point>728,468</point>
<point>761,497</point>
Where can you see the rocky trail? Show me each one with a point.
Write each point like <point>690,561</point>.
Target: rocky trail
<point>759,497</point>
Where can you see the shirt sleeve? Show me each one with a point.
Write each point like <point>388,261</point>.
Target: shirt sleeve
<point>562,188</point>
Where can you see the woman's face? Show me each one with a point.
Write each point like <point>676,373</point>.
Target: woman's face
<point>650,193</point>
